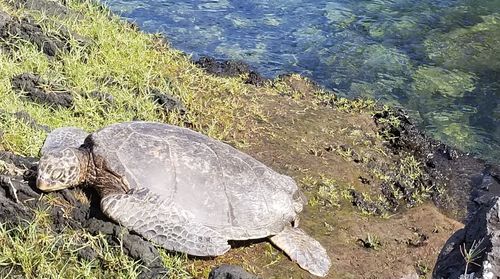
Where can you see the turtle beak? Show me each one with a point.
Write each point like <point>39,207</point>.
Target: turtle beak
<point>40,184</point>
<point>45,186</point>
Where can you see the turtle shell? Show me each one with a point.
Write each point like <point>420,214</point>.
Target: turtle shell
<point>214,183</point>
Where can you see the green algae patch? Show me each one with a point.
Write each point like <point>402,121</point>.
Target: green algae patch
<point>455,83</point>
<point>338,15</point>
<point>405,27</point>
<point>472,48</point>
<point>454,128</point>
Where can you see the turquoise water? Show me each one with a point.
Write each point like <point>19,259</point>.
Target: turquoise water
<point>438,59</point>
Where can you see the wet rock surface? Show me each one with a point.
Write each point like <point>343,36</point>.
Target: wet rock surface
<point>18,198</point>
<point>37,90</point>
<point>230,68</point>
<point>464,176</point>
<point>226,271</point>
<point>481,234</point>
<point>473,196</point>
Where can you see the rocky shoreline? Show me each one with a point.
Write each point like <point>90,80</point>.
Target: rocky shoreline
<point>471,185</point>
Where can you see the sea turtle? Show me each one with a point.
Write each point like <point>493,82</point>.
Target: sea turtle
<point>181,189</point>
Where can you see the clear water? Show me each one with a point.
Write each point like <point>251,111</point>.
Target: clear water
<point>439,59</point>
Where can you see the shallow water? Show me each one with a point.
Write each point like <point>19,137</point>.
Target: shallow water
<point>439,59</point>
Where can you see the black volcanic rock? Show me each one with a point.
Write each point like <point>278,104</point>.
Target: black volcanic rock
<point>34,88</point>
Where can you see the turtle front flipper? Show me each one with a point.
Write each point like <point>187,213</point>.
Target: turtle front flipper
<point>304,250</point>
<point>147,214</point>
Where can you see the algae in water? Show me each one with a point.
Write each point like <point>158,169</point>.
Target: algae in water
<point>454,83</point>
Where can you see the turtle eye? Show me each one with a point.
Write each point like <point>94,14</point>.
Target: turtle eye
<point>57,174</point>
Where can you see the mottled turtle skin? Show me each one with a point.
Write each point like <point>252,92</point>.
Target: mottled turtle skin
<point>181,189</point>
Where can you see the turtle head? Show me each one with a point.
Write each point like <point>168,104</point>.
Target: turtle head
<point>61,169</point>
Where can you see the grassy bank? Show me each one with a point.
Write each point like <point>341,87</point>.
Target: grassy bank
<point>117,60</point>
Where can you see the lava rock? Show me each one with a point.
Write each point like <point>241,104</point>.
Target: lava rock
<point>12,210</point>
<point>491,265</point>
<point>12,29</point>
<point>134,246</point>
<point>5,19</point>
<point>461,174</point>
<point>168,102</point>
<point>33,88</point>
<point>18,161</point>
<point>50,8</point>
<point>24,117</point>
<point>482,230</point>
<point>230,68</point>
<point>103,97</point>
<point>26,29</point>
<point>361,203</point>
<point>227,271</point>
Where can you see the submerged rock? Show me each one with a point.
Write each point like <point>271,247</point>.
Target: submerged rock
<point>430,79</point>
<point>469,48</point>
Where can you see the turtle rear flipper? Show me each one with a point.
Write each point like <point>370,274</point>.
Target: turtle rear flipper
<point>62,138</point>
<point>304,250</point>
<point>147,214</point>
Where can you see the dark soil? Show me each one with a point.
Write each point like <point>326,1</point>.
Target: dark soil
<point>37,90</point>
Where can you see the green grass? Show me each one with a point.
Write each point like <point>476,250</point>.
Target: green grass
<point>33,250</point>
<point>371,241</point>
<point>471,255</point>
